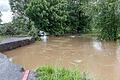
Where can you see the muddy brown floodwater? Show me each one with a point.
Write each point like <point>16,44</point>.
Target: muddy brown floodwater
<point>100,59</point>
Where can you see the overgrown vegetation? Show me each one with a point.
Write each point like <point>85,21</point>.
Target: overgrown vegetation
<point>77,20</point>
<point>48,15</point>
<point>50,73</point>
<point>0,17</point>
<point>108,19</point>
<point>59,17</point>
<point>21,24</point>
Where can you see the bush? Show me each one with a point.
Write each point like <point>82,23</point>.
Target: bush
<point>49,73</point>
<point>19,26</point>
<point>107,19</point>
<point>7,29</point>
<point>33,31</point>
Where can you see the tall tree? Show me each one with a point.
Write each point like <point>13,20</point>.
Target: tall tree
<point>0,17</point>
<point>108,19</point>
<point>48,15</point>
<point>77,19</point>
<point>20,21</point>
<point>18,6</point>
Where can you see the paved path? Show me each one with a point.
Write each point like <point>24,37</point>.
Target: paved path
<point>14,39</point>
<point>10,71</point>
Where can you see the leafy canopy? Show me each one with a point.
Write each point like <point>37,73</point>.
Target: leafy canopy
<point>48,15</point>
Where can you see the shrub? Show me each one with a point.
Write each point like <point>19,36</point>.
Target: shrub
<point>107,19</point>
<point>7,29</point>
<point>33,31</point>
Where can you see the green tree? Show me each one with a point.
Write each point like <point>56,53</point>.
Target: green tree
<point>21,25</point>
<point>33,31</point>
<point>20,22</point>
<point>107,19</point>
<point>0,17</point>
<point>77,19</point>
<point>48,15</point>
<point>7,29</point>
<point>18,6</point>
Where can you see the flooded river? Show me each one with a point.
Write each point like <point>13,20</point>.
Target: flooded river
<point>100,59</point>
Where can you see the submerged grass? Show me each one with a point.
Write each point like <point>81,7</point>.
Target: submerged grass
<point>51,73</point>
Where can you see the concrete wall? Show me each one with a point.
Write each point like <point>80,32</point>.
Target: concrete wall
<point>12,43</point>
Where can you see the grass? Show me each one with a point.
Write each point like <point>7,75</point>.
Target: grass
<point>3,37</point>
<point>51,73</point>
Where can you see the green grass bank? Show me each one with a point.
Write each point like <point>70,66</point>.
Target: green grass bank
<point>53,73</point>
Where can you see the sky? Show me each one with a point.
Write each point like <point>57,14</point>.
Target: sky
<point>6,11</point>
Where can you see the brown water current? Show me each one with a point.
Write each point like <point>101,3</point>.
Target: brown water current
<point>100,59</point>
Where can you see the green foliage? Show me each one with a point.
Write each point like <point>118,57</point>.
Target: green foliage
<point>77,19</point>
<point>7,29</point>
<point>107,19</point>
<point>0,17</point>
<point>58,16</point>
<point>20,22</point>
<point>33,31</point>
<point>17,27</point>
<point>67,16</point>
<point>49,73</point>
<point>104,17</point>
<point>48,15</point>
<point>21,27</point>
<point>18,6</point>
<point>89,7</point>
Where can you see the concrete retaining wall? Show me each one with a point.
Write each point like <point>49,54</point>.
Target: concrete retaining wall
<point>15,42</point>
